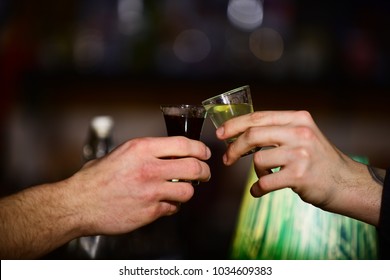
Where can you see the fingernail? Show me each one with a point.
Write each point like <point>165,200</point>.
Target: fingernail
<point>224,159</point>
<point>220,131</point>
<point>208,152</point>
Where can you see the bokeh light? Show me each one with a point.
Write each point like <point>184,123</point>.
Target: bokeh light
<point>192,46</point>
<point>266,44</point>
<point>245,14</point>
<point>130,16</point>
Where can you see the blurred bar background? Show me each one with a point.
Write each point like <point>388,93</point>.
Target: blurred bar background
<point>63,62</point>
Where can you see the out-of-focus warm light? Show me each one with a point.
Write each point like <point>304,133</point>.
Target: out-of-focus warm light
<point>130,15</point>
<point>245,14</point>
<point>266,44</point>
<point>88,49</point>
<point>192,46</point>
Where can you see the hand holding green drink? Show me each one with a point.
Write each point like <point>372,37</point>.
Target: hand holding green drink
<point>228,105</point>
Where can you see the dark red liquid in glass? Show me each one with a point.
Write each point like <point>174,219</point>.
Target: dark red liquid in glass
<point>190,127</point>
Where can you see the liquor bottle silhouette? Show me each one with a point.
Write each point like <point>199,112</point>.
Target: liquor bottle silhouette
<point>99,143</point>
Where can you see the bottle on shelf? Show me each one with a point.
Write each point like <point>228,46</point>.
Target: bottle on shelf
<point>99,142</point>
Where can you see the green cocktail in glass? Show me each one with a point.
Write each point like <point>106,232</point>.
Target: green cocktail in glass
<point>228,105</point>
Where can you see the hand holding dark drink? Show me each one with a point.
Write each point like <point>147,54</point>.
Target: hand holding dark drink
<point>184,120</point>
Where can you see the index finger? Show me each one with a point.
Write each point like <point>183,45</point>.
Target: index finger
<point>238,125</point>
<point>176,146</point>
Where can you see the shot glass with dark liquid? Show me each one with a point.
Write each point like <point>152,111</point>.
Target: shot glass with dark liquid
<point>184,120</point>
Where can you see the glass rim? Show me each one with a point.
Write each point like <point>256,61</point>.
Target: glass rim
<point>229,92</point>
<point>196,110</point>
<point>181,106</point>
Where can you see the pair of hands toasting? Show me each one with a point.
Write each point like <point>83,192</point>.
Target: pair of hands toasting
<point>131,187</point>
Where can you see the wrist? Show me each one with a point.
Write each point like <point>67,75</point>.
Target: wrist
<point>76,201</point>
<point>67,210</point>
<point>359,196</point>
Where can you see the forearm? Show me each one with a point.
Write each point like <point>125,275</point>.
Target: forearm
<point>360,195</point>
<point>36,221</point>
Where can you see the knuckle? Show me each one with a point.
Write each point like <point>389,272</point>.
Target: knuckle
<point>182,143</point>
<point>195,167</point>
<point>304,116</point>
<point>155,211</point>
<point>186,193</point>
<point>263,184</point>
<point>255,117</point>
<point>250,134</point>
<point>150,196</point>
<point>164,209</point>
<point>304,133</point>
<point>135,144</point>
<point>300,157</point>
<point>258,158</point>
<point>298,175</point>
<point>299,154</point>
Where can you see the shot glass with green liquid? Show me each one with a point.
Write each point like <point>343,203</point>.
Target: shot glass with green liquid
<point>228,105</point>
